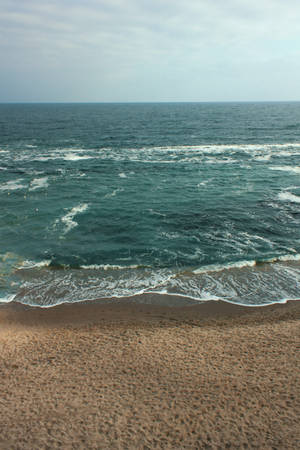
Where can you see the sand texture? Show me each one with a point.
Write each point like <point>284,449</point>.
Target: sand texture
<point>132,376</point>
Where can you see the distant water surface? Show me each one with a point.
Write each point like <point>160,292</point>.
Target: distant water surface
<point>199,200</point>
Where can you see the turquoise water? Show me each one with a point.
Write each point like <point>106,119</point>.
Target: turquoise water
<point>102,200</point>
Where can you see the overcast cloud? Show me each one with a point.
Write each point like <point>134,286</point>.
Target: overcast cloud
<point>149,50</point>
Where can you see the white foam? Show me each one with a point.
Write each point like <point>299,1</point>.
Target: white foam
<point>122,175</point>
<point>170,235</point>
<point>114,193</point>
<point>43,158</point>
<point>203,183</point>
<point>75,157</point>
<point>13,185</point>
<point>263,158</point>
<point>108,267</point>
<point>288,197</point>
<point>218,161</point>
<point>68,218</point>
<point>157,213</point>
<point>38,183</point>
<point>220,148</point>
<point>8,299</point>
<point>204,296</point>
<point>220,267</point>
<point>287,258</point>
<point>66,157</point>
<point>27,264</point>
<point>286,169</point>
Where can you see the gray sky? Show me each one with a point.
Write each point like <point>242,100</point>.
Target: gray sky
<point>149,50</point>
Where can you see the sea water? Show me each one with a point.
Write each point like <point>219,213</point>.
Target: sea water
<point>197,200</point>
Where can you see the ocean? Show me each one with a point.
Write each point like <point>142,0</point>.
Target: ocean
<point>194,200</point>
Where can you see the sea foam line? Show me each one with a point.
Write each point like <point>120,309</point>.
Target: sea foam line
<point>220,267</point>
<point>242,264</point>
<point>109,267</point>
<point>225,147</point>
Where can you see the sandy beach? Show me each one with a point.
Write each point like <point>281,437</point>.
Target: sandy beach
<point>145,376</point>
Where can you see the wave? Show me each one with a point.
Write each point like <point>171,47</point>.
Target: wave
<point>224,147</point>
<point>251,283</point>
<point>168,154</point>
<point>7,299</point>
<point>204,269</point>
<point>27,264</point>
<point>286,258</point>
<point>247,263</point>
<point>220,267</point>
<point>288,197</point>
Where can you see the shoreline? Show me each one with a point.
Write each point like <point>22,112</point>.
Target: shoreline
<point>144,307</point>
<point>128,375</point>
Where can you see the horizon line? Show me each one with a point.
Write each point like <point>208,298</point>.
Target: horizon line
<point>146,102</point>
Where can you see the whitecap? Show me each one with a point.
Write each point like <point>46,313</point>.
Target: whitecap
<point>114,193</point>
<point>75,157</point>
<point>286,169</point>
<point>38,183</point>
<point>263,158</point>
<point>284,258</point>
<point>122,175</point>
<point>43,158</point>
<point>66,157</point>
<point>203,183</point>
<point>288,197</point>
<point>27,264</point>
<point>219,161</point>
<point>156,213</point>
<point>68,218</point>
<point>13,185</point>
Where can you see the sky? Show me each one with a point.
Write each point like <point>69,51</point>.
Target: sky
<point>149,50</point>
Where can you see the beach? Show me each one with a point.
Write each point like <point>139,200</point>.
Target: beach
<point>125,374</point>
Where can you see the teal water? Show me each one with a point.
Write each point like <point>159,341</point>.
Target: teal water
<point>102,200</point>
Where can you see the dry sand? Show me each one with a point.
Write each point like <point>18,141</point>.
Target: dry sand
<point>135,376</point>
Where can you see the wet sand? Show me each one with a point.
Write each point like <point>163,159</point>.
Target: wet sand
<point>144,376</point>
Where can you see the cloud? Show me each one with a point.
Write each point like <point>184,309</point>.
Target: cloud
<point>114,46</point>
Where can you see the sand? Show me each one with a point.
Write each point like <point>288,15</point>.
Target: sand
<point>136,376</point>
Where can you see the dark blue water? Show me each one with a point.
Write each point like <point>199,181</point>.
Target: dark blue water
<point>103,200</point>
